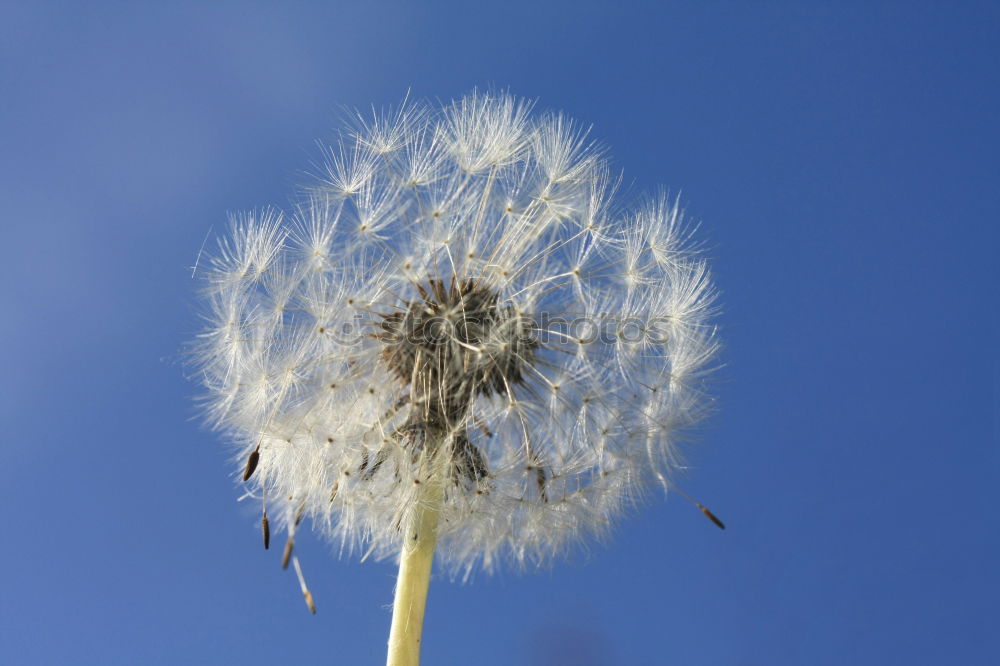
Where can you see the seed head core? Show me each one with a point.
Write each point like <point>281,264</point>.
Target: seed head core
<point>455,342</point>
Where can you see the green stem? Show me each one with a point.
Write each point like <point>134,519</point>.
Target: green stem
<point>414,577</point>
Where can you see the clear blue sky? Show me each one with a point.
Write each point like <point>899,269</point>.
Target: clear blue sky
<point>843,159</point>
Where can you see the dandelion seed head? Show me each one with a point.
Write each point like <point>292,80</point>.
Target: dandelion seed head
<point>457,286</point>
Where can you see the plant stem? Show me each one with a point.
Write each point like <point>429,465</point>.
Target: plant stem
<point>414,578</point>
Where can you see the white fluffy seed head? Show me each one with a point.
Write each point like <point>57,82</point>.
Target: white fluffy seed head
<point>455,287</point>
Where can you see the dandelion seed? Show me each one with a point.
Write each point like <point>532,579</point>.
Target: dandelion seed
<point>252,461</point>
<point>457,346</point>
<point>711,516</point>
<point>302,585</point>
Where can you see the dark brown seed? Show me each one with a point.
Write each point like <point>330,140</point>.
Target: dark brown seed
<point>711,516</point>
<point>265,527</point>
<point>252,463</point>
<point>287,555</point>
<point>542,480</point>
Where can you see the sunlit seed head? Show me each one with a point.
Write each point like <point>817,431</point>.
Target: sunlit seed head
<point>458,284</point>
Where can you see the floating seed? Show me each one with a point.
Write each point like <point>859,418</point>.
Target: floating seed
<point>309,601</point>
<point>711,516</point>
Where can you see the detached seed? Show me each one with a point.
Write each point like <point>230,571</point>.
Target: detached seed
<point>711,516</point>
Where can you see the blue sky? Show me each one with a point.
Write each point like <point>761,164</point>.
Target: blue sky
<point>842,159</point>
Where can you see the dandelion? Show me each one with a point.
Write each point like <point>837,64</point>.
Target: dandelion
<point>456,345</point>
